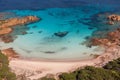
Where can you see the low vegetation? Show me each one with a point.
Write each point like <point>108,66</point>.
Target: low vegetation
<point>5,73</point>
<point>110,71</point>
<point>45,78</point>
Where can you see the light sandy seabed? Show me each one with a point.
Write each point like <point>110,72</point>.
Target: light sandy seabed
<point>40,68</point>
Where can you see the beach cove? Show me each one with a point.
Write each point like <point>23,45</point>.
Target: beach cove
<point>51,41</point>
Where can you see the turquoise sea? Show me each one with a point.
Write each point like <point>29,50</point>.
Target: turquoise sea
<point>80,23</point>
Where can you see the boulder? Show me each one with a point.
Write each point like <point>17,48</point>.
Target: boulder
<point>61,34</point>
<point>113,18</point>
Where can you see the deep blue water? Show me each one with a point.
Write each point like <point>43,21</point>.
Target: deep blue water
<point>81,19</point>
<point>42,4</point>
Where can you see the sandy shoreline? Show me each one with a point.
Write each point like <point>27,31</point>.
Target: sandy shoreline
<point>37,69</point>
<point>51,60</point>
<point>34,69</point>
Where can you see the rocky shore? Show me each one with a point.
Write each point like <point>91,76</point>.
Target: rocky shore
<point>6,26</point>
<point>10,53</point>
<point>112,38</point>
<point>113,19</point>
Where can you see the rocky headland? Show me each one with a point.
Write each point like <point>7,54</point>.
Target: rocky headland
<point>6,26</point>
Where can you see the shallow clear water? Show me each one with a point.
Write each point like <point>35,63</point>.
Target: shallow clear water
<point>41,41</point>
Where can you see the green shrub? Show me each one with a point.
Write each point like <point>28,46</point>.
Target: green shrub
<point>110,71</point>
<point>5,73</point>
<point>92,73</point>
<point>68,76</point>
<point>113,65</point>
<point>45,78</point>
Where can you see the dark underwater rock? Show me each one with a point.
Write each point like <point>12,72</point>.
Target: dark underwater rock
<point>90,28</point>
<point>34,27</point>
<point>77,31</point>
<point>40,31</point>
<point>31,33</point>
<point>61,34</point>
<point>49,52</point>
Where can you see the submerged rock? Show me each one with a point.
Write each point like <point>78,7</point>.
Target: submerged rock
<point>77,31</point>
<point>31,33</point>
<point>34,27</point>
<point>49,52</point>
<point>40,31</point>
<point>90,28</point>
<point>61,34</point>
<point>23,33</point>
<point>6,38</point>
<point>111,22</point>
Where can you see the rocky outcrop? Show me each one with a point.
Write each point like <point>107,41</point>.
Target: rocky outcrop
<point>97,41</point>
<point>113,18</point>
<point>112,38</point>
<point>6,38</point>
<point>5,31</point>
<point>18,21</point>
<point>6,26</point>
<point>10,53</point>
